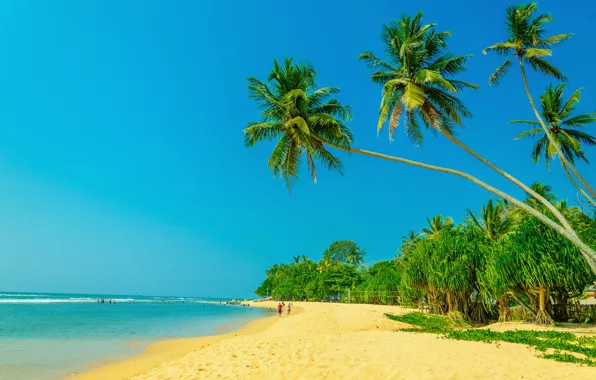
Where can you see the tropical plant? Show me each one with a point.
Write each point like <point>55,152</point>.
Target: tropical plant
<point>301,116</point>
<point>436,225</point>
<point>346,252</point>
<point>419,87</point>
<point>303,120</point>
<point>526,42</point>
<point>418,80</point>
<point>494,221</point>
<point>563,129</point>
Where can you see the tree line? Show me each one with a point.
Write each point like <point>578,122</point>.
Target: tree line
<point>494,259</point>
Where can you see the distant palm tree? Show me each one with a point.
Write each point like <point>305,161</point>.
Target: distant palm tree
<point>436,225</point>
<point>543,189</point>
<point>420,89</point>
<point>562,126</point>
<point>526,42</point>
<point>495,221</point>
<point>410,238</point>
<point>304,120</point>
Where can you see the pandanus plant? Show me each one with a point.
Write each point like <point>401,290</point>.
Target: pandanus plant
<point>306,121</point>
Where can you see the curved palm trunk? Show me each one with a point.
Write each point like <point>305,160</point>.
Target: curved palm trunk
<point>582,191</point>
<point>511,178</point>
<point>588,253</point>
<point>545,128</point>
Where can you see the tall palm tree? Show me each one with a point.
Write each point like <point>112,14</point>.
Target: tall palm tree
<point>436,225</point>
<point>419,87</point>
<point>526,43</point>
<point>563,129</point>
<point>494,221</point>
<point>304,120</point>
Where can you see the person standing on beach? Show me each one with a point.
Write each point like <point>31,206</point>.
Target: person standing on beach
<point>289,308</point>
<point>279,309</point>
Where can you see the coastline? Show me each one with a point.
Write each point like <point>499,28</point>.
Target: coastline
<point>346,341</point>
<point>165,350</point>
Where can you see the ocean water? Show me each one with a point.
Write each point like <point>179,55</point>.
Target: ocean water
<point>53,336</point>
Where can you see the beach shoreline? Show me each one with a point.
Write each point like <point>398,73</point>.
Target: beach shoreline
<point>343,341</point>
<point>170,348</point>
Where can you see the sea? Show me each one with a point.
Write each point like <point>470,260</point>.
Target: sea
<point>54,336</point>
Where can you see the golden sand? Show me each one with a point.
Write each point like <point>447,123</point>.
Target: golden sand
<point>336,341</point>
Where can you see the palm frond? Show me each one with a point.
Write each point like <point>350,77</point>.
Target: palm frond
<point>531,122</point>
<point>256,132</point>
<point>580,120</point>
<point>551,41</point>
<point>499,73</point>
<point>532,132</point>
<point>544,67</point>
<point>501,48</point>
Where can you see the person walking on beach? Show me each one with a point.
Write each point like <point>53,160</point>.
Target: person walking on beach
<point>289,308</point>
<point>279,309</point>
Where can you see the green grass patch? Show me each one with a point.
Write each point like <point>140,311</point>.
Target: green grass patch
<point>563,343</point>
<point>427,322</point>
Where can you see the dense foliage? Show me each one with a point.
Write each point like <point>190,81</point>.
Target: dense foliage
<point>476,269</point>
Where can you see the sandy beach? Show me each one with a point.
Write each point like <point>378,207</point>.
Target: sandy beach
<point>337,341</point>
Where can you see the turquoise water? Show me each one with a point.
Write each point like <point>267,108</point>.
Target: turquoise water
<point>50,336</point>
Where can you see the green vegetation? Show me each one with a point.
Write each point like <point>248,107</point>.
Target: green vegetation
<point>501,264</point>
<point>421,85</point>
<point>567,347</point>
<point>517,257</point>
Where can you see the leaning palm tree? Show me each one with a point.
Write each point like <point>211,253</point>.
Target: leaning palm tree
<point>526,43</point>
<point>563,129</point>
<point>420,87</point>
<point>304,121</point>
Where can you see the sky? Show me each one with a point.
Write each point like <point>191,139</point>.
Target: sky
<point>122,163</point>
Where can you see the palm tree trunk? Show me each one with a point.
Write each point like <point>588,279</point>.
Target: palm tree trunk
<point>511,178</point>
<point>588,253</point>
<point>582,191</point>
<point>545,128</point>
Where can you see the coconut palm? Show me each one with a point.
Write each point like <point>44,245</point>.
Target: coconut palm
<point>494,221</point>
<point>304,121</point>
<point>419,87</point>
<point>301,116</point>
<point>436,225</point>
<point>563,128</point>
<point>527,43</point>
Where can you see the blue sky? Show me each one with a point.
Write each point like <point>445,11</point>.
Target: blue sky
<point>121,152</point>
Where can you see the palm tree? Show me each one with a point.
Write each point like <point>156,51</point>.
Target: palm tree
<point>436,225</point>
<point>419,86</point>
<point>410,238</point>
<point>301,117</point>
<point>557,113</point>
<point>527,43</point>
<point>494,221</point>
<point>304,120</point>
